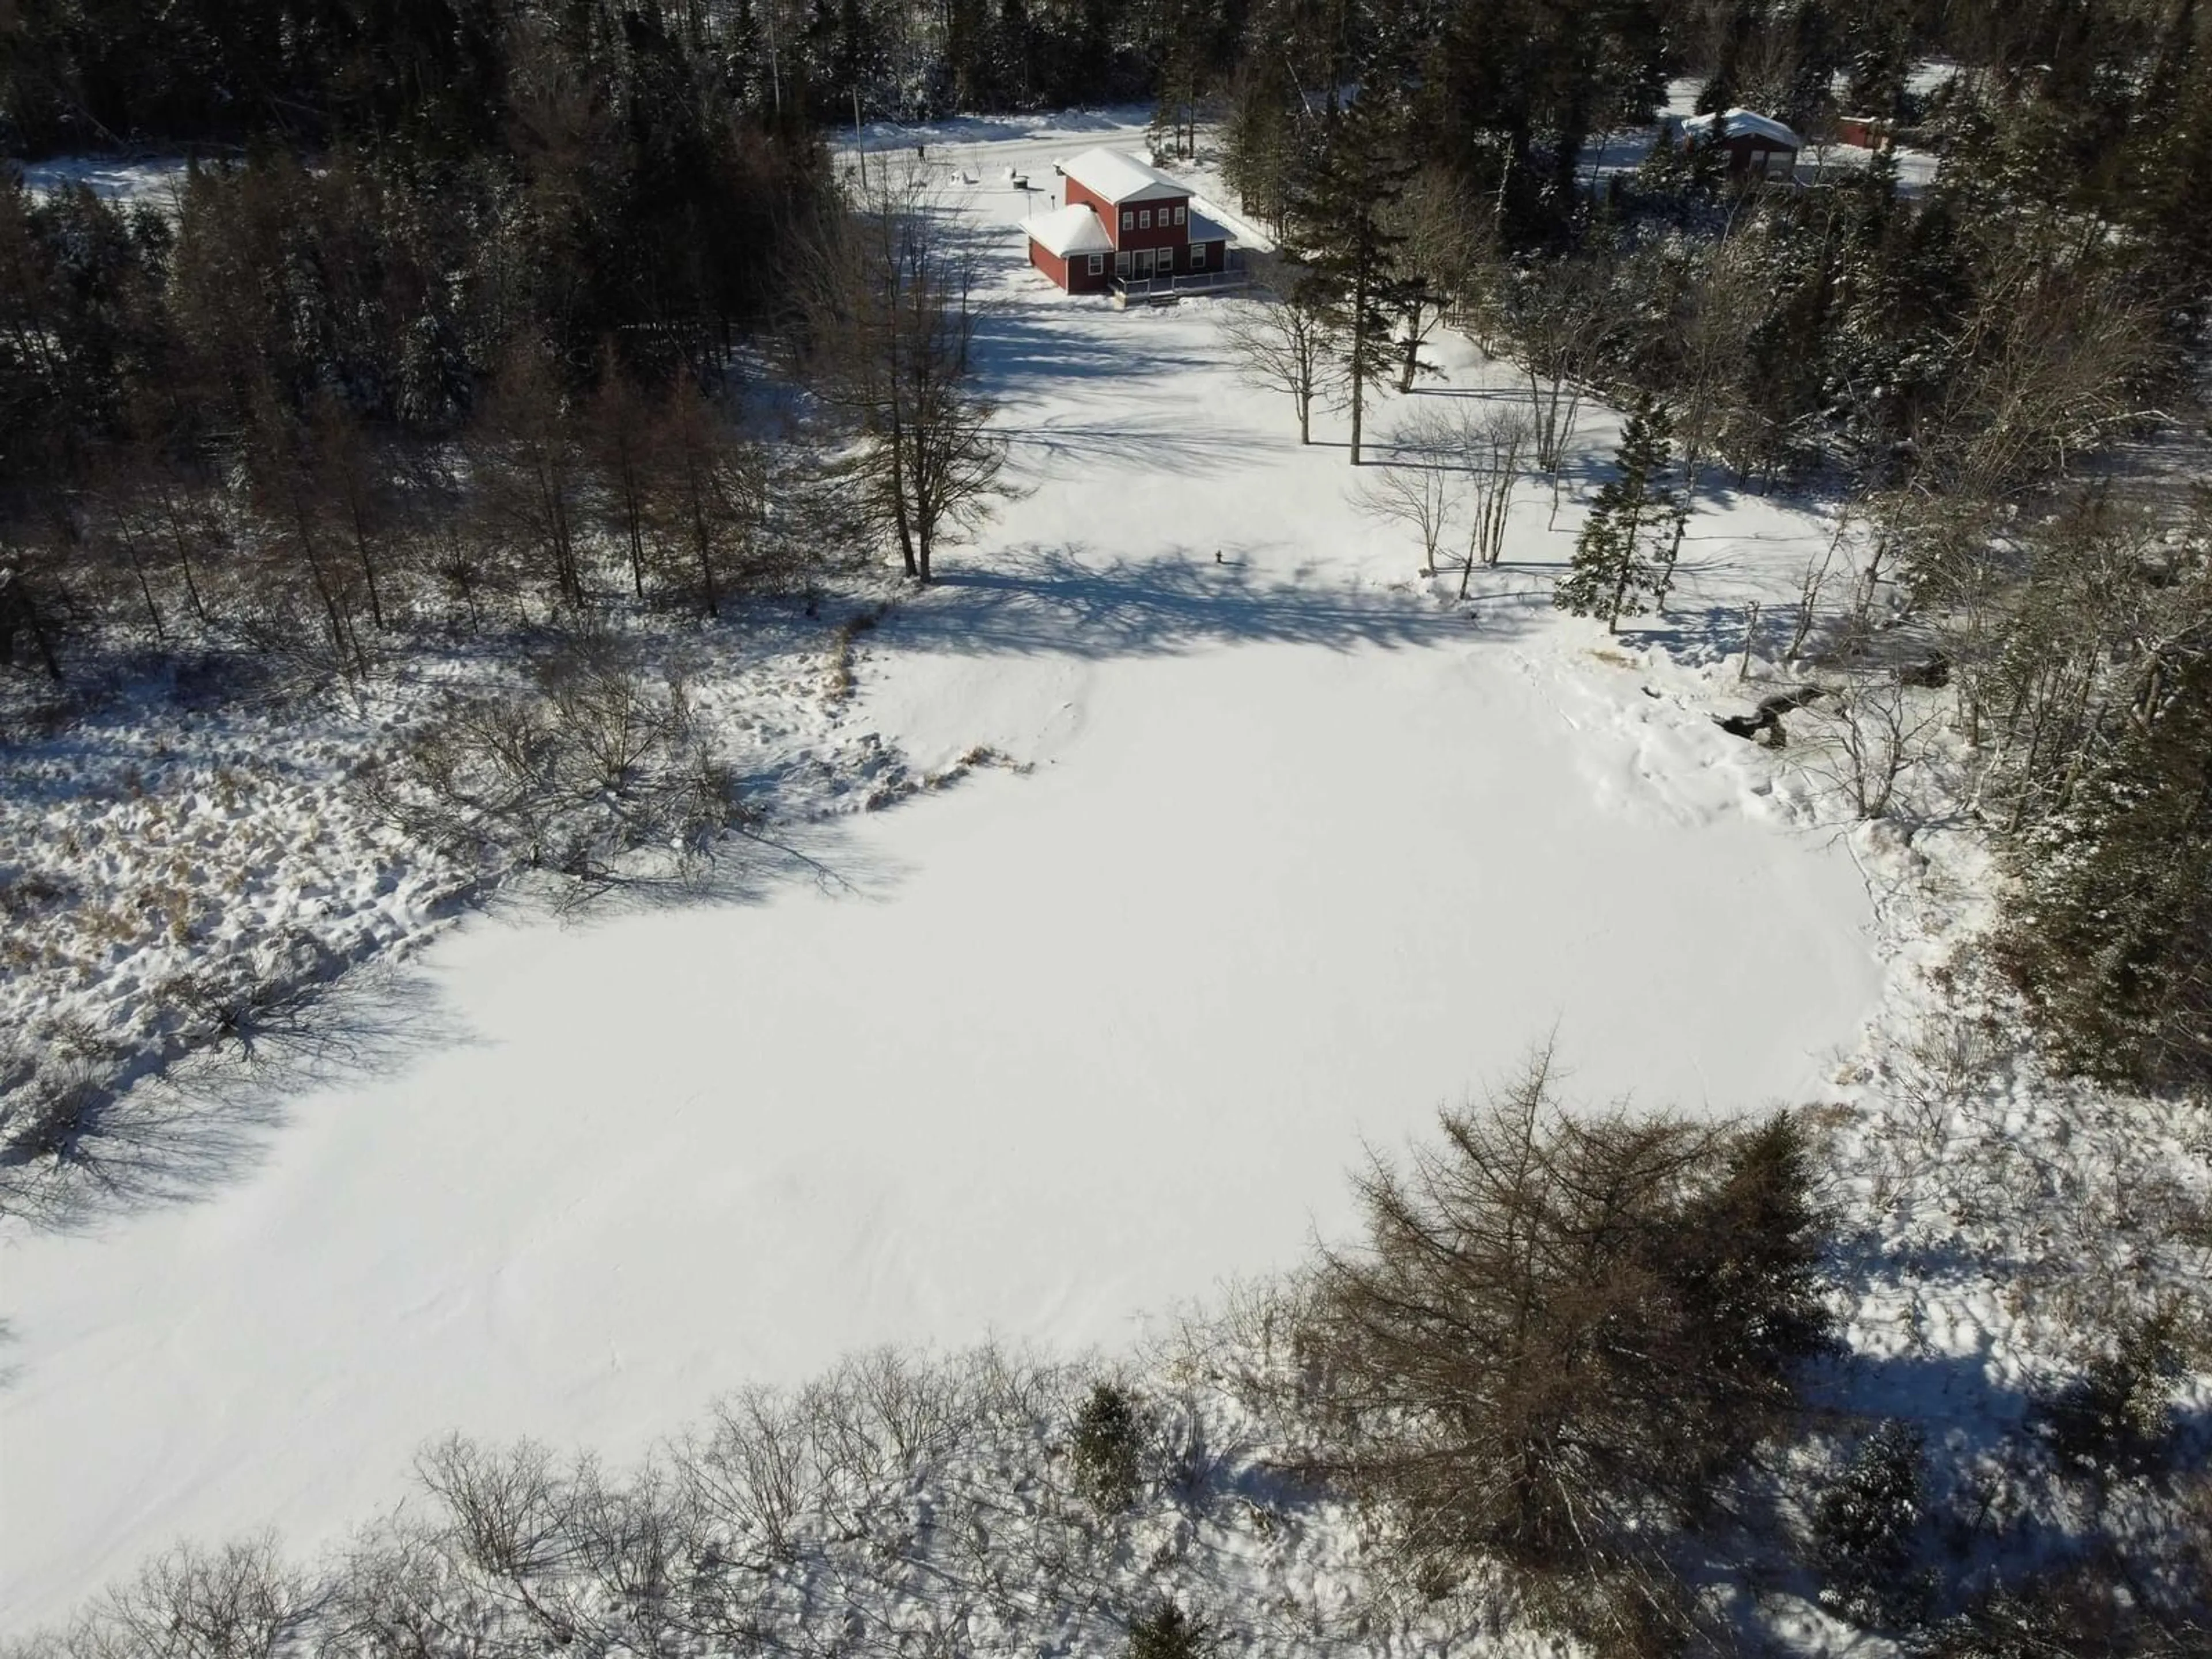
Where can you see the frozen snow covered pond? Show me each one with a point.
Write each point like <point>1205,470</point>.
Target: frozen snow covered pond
<point>1302,857</point>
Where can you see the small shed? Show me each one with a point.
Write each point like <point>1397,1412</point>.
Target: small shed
<point>1867,131</point>
<point>1758,145</point>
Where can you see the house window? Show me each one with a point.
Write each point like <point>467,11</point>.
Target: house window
<point>1144,219</point>
<point>1197,255</point>
<point>1179,215</point>
<point>1128,219</point>
<point>1097,263</point>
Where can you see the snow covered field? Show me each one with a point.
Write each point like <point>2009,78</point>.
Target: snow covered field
<point>1288,853</point>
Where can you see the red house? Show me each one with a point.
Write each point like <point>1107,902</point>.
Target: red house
<point>1758,145</point>
<point>1125,227</point>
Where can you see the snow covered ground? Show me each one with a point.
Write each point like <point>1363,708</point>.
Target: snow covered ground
<point>154,180</point>
<point>1288,853</point>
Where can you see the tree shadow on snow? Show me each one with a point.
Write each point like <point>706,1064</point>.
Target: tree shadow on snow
<point>156,1137</point>
<point>1045,340</point>
<point>1159,444</point>
<point>173,1132</point>
<point>1067,601</point>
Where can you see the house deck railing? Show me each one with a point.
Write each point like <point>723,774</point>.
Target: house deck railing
<point>1126,288</point>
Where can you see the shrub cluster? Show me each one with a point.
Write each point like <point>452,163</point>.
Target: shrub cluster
<point>594,762</point>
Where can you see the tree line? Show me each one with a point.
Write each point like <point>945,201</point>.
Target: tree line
<point>1960,366</point>
<point>345,401</point>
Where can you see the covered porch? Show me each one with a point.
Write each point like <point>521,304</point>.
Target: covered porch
<point>1165,286</point>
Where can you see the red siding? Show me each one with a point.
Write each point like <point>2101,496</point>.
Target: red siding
<point>1073,272</point>
<point>1099,205</point>
<point>1157,235</point>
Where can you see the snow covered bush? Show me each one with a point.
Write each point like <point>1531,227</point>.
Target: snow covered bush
<point>1104,1446</point>
<point>586,768</point>
<point>2118,1414</point>
<point>1864,1528</point>
<point>1563,1336</point>
<point>1168,1632</point>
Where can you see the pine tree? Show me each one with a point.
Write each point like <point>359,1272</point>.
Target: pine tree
<point>1342,217</point>
<point>1865,1525</point>
<point>1612,570</point>
<point>2111,932</point>
<point>1262,148</point>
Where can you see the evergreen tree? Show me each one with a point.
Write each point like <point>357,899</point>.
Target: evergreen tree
<point>2111,933</point>
<point>1263,151</point>
<point>1612,569</point>
<point>1342,217</point>
<point>1864,1527</point>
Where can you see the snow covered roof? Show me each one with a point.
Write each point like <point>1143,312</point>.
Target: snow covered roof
<point>1117,177</point>
<point>1071,229</point>
<point>1203,229</point>
<point>1741,124</point>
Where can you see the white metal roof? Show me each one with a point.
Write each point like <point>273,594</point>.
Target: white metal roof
<point>1073,229</point>
<point>1117,177</point>
<point>1739,123</point>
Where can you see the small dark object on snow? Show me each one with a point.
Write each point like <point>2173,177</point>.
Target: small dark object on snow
<point>1934,673</point>
<point>1217,555</point>
<point>1765,725</point>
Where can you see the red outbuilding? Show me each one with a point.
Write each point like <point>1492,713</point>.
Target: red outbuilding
<point>1127,227</point>
<point>1757,146</point>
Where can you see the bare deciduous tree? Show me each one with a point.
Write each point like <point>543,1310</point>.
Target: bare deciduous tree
<point>1868,735</point>
<point>754,1471</point>
<point>241,1601</point>
<point>529,469</point>
<point>707,493</point>
<point>1560,314</point>
<point>891,316</point>
<point>1285,340</point>
<point>1441,233</point>
<point>510,1514</point>
<point>1417,488</point>
<point>617,439</point>
<point>1490,439</point>
<point>288,488</point>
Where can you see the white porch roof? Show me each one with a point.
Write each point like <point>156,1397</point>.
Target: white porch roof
<point>1073,229</point>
